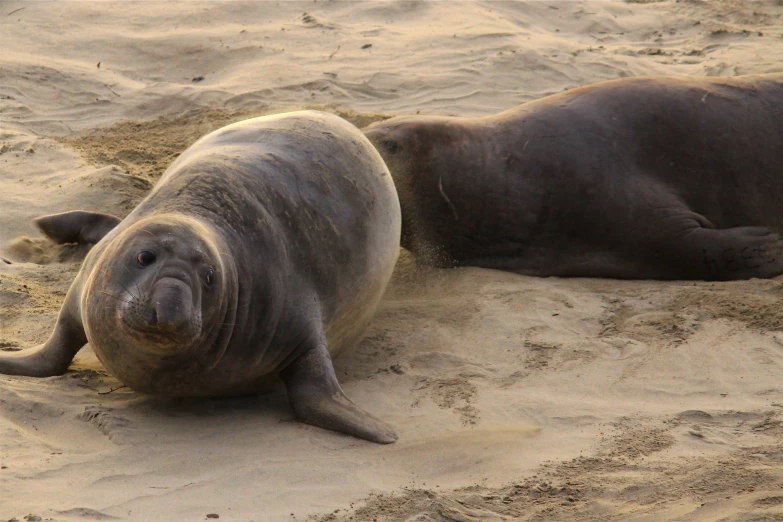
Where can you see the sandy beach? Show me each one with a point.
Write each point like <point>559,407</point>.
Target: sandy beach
<point>515,398</point>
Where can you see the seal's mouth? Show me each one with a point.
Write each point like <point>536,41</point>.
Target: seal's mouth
<point>168,315</point>
<point>155,336</point>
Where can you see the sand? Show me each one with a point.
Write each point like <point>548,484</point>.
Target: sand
<point>515,398</point>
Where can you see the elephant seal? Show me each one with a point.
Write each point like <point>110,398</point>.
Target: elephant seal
<point>649,178</point>
<point>263,251</point>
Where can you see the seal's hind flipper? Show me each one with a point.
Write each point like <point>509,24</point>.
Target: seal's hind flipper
<point>77,226</point>
<point>317,399</point>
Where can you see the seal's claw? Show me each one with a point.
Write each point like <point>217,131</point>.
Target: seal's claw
<point>317,399</point>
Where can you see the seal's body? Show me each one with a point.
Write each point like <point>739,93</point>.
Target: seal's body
<point>263,251</point>
<point>659,178</point>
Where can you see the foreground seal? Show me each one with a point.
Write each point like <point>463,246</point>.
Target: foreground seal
<point>262,251</point>
<point>656,178</point>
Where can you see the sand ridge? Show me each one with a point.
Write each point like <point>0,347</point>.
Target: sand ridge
<point>515,398</point>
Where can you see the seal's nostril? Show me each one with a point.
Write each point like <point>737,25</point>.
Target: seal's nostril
<point>172,305</point>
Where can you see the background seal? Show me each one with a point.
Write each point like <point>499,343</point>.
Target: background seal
<point>644,178</point>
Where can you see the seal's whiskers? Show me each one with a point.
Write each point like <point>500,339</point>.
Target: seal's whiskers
<point>104,272</point>
<point>115,296</point>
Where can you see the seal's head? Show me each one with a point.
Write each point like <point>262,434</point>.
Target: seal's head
<point>411,144</point>
<point>422,154</point>
<point>160,297</point>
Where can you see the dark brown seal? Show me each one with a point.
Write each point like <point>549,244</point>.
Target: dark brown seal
<point>659,178</point>
<point>263,251</point>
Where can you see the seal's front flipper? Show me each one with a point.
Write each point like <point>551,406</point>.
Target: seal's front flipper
<point>77,226</point>
<point>50,358</point>
<point>317,399</point>
<point>740,253</point>
<point>698,252</point>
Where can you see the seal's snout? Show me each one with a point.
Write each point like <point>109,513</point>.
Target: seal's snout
<point>171,307</point>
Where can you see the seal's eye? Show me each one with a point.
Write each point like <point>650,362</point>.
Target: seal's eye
<point>391,146</point>
<point>145,258</point>
<point>208,277</point>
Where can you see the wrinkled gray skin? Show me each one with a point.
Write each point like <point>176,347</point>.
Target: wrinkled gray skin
<point>272,239</point>
<point>657,178</point>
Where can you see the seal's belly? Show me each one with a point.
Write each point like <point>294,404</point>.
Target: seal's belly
<point>346,327</point>
<point>349,324</point>
<point>344,331</point>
